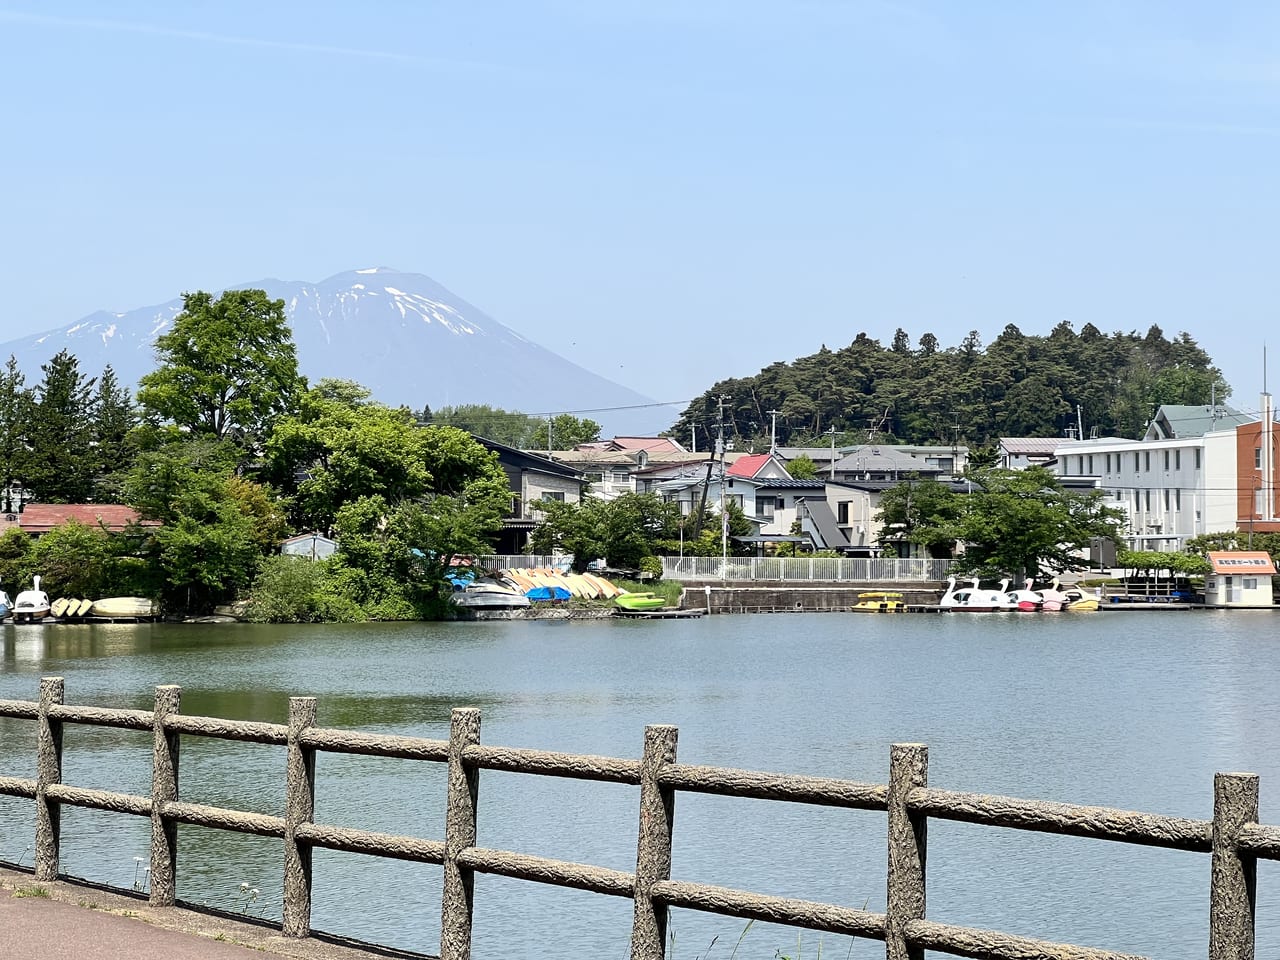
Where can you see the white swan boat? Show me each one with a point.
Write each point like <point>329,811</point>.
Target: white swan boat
<point>974,599</point>
<point>32,605</point>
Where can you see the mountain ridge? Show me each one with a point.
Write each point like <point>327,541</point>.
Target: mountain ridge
<point>405,336</point>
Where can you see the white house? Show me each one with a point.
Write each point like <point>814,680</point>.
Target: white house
<point>1170,490</point>
<point>312,546</point>
<point>1239,579</point>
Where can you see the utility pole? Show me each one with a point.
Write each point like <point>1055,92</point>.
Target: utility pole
<point>724,517</point>
<point>773,432</point>
<point>1080,421</point>
<point>832,432</point>
<point>548,436</point>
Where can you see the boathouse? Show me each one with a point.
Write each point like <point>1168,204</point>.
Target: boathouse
<point>1239,579</point>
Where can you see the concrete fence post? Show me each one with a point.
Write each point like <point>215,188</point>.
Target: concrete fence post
<point>164,789</point>
<point>1233,876</point>
<point>48,771</point>
<point>300,807</point>
<point>908,769</point>
<point>457,900</point>
<point>653,848</point>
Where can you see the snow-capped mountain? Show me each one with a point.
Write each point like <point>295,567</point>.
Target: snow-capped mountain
<point>402,335</point>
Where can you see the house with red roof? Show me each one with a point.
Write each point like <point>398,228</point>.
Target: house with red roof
<point>39,518</point>
<point>758,466</point>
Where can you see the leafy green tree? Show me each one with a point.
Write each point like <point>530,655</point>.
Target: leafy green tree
<point>345,447</point>
<point>623,531</point>
<point>215,525</point>
<point>15,414</point>
<point>1023,523</point>
<point>921,512</point>
<point>508,427</point>
<point>74,560</point>
<point>802,467</point>
<point>227,369</point>
<point>15,560</point>
<point>567,431</point>
<point>60,462</point>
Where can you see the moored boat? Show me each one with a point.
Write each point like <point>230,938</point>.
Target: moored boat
<point>879,601</point>
<point>488,595</point>
<point>121,607</point>
<point>639,601</point>
<point>974,599</point>
<point>32,605</point>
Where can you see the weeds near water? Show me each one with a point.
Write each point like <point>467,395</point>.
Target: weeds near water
<point>38,892</point>
<point>141,876</point>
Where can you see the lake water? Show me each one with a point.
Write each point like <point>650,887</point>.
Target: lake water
<point>1132,710</point>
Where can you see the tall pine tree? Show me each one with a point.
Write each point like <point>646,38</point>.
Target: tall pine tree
<point>61,464</point>
<point>15,414</point>
<point>113,419</point>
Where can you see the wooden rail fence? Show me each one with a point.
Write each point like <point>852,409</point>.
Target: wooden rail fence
<point>1233,838</point>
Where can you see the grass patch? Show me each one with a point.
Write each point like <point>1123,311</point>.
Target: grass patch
<point>34,890</point>
<point>668,590</point>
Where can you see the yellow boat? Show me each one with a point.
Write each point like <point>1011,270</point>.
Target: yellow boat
<point>1078,602</point>
<point>880,601</point>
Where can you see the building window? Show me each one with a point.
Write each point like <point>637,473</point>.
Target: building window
<point>1166,500</point>
<point>1108,463</point>
<point>1166,459</point>
<point>842,512</point>
<point>515,508</point>
<point>1257,458</point>
<point>1197,458</point>
<point>1147,498</point>
<point>1177,498</point>
<point>1146,460</point>
<point>1177,459</point>
<point>555,495</point>
<point>1080,465</point>
<point>1091,464</point>
<point>1135,461</point>
<point>764,507</point>
<point>735,499</point>
<point>1251,583</point>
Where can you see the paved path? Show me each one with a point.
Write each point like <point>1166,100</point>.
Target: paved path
<point>65,921</point>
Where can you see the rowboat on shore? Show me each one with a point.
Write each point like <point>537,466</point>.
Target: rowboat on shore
<point>879,601</point>
<point>639,601</point>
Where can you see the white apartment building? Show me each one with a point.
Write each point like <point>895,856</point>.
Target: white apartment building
<point>1170,490</point>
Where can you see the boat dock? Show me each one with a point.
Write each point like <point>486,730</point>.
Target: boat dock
<point>662,613</point>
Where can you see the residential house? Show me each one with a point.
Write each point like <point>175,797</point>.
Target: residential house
<point>312,546</point>
<point>532,479</point>
<point>37,519</point>
<point>1018,453</point>
<point>883,462</point>
<point>611,467</point>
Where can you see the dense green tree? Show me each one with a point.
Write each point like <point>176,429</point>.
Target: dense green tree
<point>60,461</point>
<point>1020,384</point>
<point>227,369</point>
<point>15,415</point>
<point>622,531</point>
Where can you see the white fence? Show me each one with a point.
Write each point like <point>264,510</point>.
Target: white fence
<point>520,561</point>
<point>853,570</point>
<point>824,569</point>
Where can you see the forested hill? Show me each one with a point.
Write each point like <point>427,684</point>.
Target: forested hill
<point>1018,385</point>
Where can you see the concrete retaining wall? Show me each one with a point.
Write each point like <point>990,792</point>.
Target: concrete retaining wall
<point>794,597</point>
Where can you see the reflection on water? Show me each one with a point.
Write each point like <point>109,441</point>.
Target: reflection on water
<point>1128,710</point>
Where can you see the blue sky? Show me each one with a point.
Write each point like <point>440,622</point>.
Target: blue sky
<point>668,193</point>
